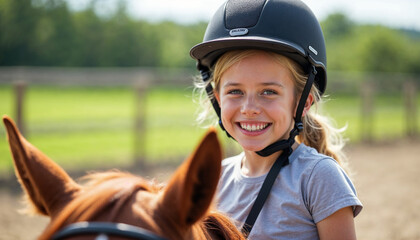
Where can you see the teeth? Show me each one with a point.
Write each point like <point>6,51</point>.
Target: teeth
<point>253,127</point>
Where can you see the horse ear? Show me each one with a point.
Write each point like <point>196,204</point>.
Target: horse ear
<point>190,191</point>
<point>48,186</point>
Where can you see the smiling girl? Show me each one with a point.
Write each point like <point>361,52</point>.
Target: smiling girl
<point>263,66</point>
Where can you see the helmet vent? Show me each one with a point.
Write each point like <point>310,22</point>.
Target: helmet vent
<point>243,13</point>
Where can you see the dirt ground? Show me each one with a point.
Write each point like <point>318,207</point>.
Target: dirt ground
<point>386,176</point>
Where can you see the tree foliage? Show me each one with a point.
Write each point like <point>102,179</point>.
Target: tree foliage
<point>369,48</point>
<point>48,33</point>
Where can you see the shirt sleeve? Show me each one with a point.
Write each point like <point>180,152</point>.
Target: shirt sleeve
<point>329,189</point>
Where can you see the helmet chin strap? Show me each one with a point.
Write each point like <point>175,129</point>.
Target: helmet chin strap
<point>298,126</point>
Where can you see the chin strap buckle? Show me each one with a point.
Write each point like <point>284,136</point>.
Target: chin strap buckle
<point>299,127</point>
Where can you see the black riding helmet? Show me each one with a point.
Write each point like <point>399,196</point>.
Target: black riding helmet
<point>287,27</point>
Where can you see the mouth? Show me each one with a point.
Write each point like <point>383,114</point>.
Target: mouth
<point>253,127</point>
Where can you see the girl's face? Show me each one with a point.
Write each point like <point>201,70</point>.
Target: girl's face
<point>257,101</point>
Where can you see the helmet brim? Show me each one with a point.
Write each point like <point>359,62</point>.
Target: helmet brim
<point>208,52</point>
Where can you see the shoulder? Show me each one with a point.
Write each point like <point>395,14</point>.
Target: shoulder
<point>306,153</point>
<point>326,186</point>
<point>316,167</point>
<point>308,160</point>
<point>322,166</point>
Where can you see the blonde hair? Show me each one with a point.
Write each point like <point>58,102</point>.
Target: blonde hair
<point>318,131</point>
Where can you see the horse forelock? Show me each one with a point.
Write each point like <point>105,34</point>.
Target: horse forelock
<point>103,195</point>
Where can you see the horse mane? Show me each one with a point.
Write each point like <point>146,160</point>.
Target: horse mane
<point>111,190</point>
<point>221,226</point>
<point>101,191</point>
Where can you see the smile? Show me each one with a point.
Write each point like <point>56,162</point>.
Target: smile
<point>253,127</point>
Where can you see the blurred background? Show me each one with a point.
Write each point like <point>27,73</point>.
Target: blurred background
<point>99,84</point>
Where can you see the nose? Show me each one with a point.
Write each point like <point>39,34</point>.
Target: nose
<point>250,106</point>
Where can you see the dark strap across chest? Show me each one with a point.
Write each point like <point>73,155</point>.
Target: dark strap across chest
<point>281,161</point>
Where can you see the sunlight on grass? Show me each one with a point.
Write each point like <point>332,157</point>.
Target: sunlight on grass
<point>94,126</point>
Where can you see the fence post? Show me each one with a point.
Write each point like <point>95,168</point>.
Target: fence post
<point>140,124</point>
<point>20,90</point>
<point>366,124</point>
<point>410,100</point>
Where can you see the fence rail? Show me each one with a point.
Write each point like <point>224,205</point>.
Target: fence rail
<point>129,76</point>
<point>141,79</point>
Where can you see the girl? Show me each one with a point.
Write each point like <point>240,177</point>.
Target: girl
<point>263,64</point>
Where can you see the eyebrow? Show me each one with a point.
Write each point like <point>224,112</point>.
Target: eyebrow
<point>273,84</point>
<point>233,84</point>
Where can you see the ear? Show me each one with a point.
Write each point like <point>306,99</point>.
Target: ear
<point>216,96</point>
<point>190,191</point>
<point>308,104</point>
<point>48,186</point>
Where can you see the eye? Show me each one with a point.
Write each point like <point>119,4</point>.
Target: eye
<point>269,92</point>
<point>235,92</point>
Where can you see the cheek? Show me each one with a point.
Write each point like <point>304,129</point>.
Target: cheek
<point>226,108</point>
<point>282,111</point>
<point>224,101</point>
<point>292,105</point>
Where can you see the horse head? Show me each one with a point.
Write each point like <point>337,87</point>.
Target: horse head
<point>179,210</point>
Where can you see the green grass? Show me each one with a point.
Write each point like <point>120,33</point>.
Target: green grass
<point>93,127</point>
<point>388,117</point>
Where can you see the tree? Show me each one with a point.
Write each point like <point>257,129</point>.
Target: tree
<point>337,25</point>
<point>54,38</point>
<point>17,24</point>
<point>90,37</point>
<point>383,50</point>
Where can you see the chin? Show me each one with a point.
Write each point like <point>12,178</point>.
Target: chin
<point>252,147</point>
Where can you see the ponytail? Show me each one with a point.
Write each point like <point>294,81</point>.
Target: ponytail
<point>319,133</point>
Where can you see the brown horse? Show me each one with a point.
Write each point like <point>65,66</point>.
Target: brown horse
<point>180,210</point>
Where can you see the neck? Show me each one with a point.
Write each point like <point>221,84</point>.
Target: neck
<point>253,165</point>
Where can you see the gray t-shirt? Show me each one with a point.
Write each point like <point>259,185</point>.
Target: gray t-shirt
<point>308,190</point>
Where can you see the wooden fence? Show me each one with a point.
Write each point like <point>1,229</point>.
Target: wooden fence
<point>143,78</point>
<point>369,86</point>
<point>139,78</point>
